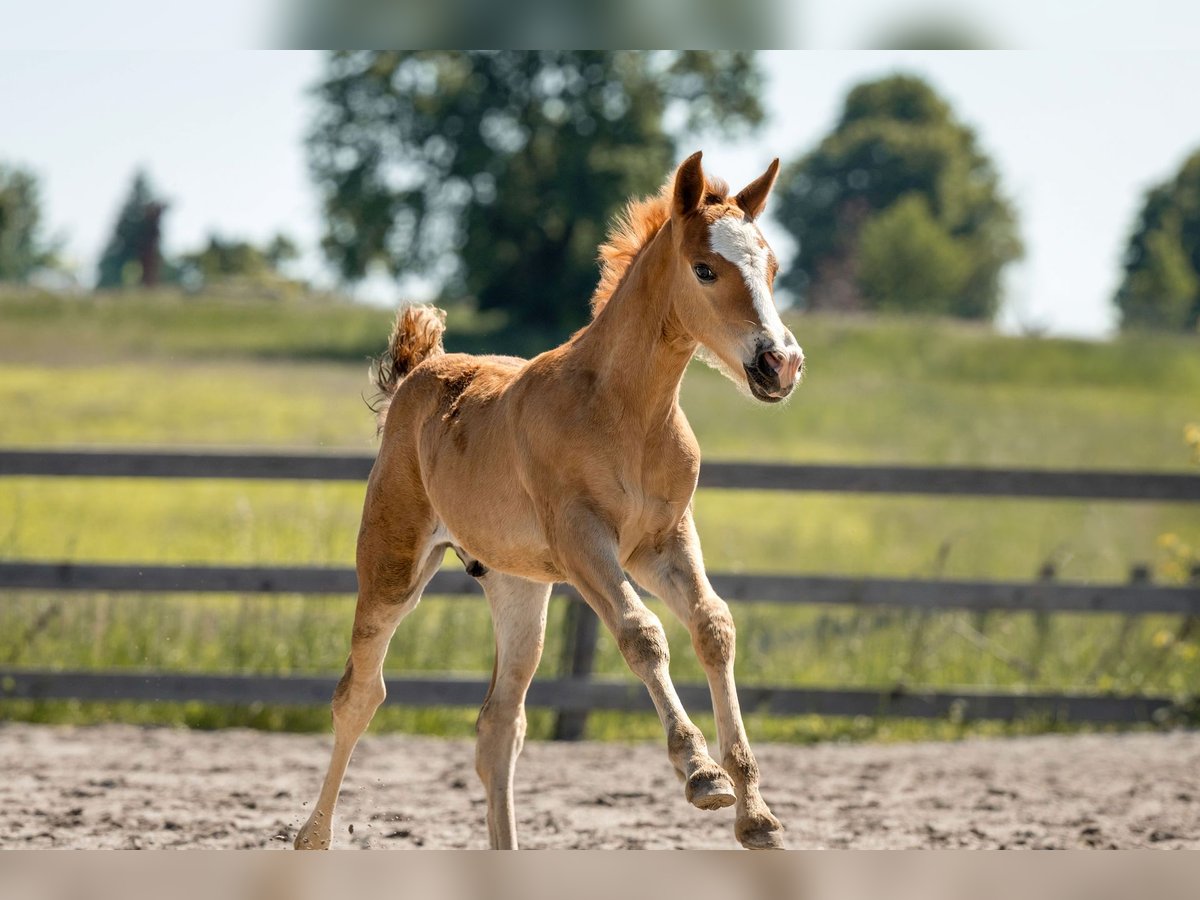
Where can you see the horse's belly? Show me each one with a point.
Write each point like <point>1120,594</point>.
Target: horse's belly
<point>500,530</point>
<point>506,549</point>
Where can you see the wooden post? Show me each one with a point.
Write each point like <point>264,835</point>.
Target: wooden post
<point>1042,623</point>
<point>1139,573</point>
<point>1189,623</point>
<point>580,627</point>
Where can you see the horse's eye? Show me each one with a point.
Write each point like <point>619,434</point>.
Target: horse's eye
<point>704,273</point>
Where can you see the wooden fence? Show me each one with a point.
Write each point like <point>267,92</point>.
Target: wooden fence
<point>574,692</point>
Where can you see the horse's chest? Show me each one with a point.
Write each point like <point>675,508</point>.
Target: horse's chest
<point>652,512</point>
<point>657,513</point>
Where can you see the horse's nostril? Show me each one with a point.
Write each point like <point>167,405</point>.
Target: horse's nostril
<point>771,361</point>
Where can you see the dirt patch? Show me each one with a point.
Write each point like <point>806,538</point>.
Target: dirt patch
<point>123,786</point>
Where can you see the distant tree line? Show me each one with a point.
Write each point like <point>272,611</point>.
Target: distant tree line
<point>134,256</point>
<point>1161,284</point>
<point>498,173</point>
<point>24,247</point>
<point>494,175</point>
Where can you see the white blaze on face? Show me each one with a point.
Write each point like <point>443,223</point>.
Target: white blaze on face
<point>740,242</point>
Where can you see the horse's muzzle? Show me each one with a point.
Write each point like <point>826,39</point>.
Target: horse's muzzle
<point>775,373</point>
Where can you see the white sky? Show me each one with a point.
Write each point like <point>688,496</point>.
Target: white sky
<point>1077,137</point>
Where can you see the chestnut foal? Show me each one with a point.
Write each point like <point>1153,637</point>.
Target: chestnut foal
<point>579,466</point>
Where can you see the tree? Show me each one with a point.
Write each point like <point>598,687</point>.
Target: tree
<point>23,250</point>
<point>896,141</point>
<point>1161,285</point>
<point>909,263</point>
<point>496,173</point>
<point>134,252</point>
<point>223,258</point>
<point>281,251</point>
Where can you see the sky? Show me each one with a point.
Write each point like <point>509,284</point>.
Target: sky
<point>1077,136</point>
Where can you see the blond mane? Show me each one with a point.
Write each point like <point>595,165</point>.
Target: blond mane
<point>632,230</point>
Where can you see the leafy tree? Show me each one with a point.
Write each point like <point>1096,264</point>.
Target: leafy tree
<point>221,258</point>
<point>281,251</point>
<point>897,140</point>
<point>23,250</point>
<point>908,262</point>
<point>496,173</point>
<point>134,252</point>
<point>1161,285</point>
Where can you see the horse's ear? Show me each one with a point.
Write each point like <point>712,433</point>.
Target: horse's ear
<point>753,197</point>
<point>689,185</point>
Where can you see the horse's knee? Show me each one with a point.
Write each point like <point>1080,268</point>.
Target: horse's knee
<point>354,697</point>
<point>643,643</point>
<point>499,732</point>
<point>488,722</point>
<point>713,634</point>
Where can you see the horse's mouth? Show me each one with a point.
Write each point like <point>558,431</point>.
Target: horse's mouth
<point>762,389</point>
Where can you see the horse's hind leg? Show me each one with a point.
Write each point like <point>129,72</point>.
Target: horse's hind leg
<point>519,620</point>
<point>396,559</point>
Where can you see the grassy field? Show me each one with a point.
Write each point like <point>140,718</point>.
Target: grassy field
<point>170,370</point>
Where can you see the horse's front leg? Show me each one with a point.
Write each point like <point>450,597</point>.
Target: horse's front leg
<point>588,554</point>
<point>675,573</point>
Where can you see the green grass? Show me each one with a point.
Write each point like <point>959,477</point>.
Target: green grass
<point>169,325</point>
<point>170,370</point>
<point>809,645</point>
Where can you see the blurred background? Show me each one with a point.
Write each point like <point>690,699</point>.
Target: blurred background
<point>990,260</point>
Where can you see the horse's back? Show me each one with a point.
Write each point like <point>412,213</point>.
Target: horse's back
<point>441,384</point>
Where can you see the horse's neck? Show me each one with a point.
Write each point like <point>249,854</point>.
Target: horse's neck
<point>634,346</point>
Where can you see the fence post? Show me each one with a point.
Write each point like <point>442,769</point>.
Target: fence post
<point>1139,573</point>
<point>1042,623</point>
<point>1188,625</point>
<point>578,657</point>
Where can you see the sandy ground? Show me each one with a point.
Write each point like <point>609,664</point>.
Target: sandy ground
<point>122,786</point>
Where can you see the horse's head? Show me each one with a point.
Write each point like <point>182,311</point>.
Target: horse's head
<point>724,278</point>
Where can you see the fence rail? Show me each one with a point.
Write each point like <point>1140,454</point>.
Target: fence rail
<point>580,695</point>
<point>1044,596</point>
<point>958,480</point>
<point>575,695</point>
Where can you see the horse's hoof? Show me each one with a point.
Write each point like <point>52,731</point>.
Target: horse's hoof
<point>306,840</point>
<point>763,832</point>
<point>710,789</point>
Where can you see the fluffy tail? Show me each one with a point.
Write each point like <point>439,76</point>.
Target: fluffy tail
<point>416,336</point>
